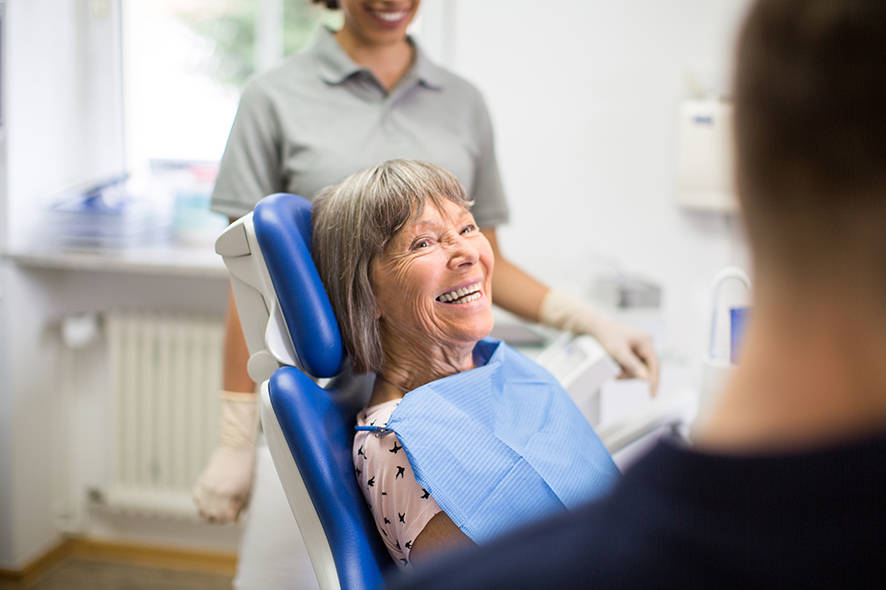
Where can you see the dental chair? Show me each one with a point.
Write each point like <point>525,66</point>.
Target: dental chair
<point>309,400</point>
<point>293,339</point>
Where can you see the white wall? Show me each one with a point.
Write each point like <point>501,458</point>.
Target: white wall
<point>6,432</point>
<point>584,96</point>
<point>5,395</point>
<point>55,403</point>
<point>81,424</point>
<point>62,128</point>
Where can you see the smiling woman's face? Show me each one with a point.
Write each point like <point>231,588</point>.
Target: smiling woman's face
<point>434,279</point>
<point>379,21</point>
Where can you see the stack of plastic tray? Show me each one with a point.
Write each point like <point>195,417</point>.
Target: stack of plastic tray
<point>105,216</point>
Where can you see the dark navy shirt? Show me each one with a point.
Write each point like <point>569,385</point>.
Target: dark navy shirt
<point>684,519</point>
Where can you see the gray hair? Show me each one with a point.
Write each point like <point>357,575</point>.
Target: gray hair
<point>353,222</point>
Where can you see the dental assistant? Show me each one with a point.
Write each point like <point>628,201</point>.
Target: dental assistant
<point>357,97</point>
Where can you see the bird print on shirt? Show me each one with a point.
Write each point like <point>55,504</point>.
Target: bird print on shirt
<point>377,458</point>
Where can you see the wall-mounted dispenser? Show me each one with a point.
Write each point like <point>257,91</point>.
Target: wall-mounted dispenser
<point>704,169</point>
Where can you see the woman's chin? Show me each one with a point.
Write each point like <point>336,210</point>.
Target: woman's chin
<point>464,323</point>
<point>487,329</point>
<point>477,330</point>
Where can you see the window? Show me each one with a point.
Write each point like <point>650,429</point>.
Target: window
<point>184,64</point>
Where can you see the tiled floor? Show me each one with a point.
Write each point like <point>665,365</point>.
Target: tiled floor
<point>83,574</point>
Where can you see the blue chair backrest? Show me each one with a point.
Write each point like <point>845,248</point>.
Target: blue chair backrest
<point>318,424</point>
<point>282,225</point>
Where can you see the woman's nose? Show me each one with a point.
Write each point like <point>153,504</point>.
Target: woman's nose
<point>464,253</point>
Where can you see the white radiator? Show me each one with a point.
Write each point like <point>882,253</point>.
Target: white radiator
<point>165,374</point>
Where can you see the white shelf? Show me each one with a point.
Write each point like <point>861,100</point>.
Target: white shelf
<point>169,261</point>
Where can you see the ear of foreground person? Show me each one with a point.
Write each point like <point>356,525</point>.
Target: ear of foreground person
<point>783,487</point>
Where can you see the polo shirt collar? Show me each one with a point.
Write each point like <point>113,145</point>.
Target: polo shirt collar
<point>335,65</point>
<point>426,71</point>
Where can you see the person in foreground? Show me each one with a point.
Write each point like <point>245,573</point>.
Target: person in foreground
<point>463,438</point>
<point>784,485</point>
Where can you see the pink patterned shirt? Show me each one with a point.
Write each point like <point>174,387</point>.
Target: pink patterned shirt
<point>400,506</point>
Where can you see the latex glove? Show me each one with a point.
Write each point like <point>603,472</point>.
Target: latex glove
<point>223,488</point>
<point>630,348</point>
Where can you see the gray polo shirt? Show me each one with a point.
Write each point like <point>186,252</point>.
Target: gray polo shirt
<point>319,117</point>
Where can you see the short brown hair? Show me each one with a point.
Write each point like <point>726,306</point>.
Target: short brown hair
<point>352,222</point>
<point>810,125</point>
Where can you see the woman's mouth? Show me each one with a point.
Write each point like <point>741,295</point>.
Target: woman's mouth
<point>390,17</point>
<point>462,295</point>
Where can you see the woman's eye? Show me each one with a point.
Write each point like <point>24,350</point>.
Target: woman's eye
<point>423,243</point>
<point>468,228</point>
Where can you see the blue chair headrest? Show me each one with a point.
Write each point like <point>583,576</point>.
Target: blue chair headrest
<point>282,225</point>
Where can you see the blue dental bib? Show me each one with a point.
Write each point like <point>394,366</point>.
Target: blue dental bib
<point>501,444</point>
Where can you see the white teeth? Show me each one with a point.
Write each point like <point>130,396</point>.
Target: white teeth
<point>462,294</point>
<point>390,16</point>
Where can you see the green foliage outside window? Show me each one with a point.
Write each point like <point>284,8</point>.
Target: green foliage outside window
<point>229,27</point>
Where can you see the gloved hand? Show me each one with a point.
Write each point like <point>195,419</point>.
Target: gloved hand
<point>223,488</point>
<point>631,349</point>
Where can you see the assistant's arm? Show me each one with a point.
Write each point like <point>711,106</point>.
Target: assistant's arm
<point>223,488</point>
<point>249,170</point>
<point>518,292</point>
<point>235,353</point>
<point>512,288</point>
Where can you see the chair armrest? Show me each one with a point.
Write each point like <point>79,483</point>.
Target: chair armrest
<point>672,410</point>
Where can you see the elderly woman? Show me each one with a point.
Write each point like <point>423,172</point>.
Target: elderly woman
<point>462,438</point>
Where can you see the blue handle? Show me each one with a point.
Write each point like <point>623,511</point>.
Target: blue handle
<point>738,319</point>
